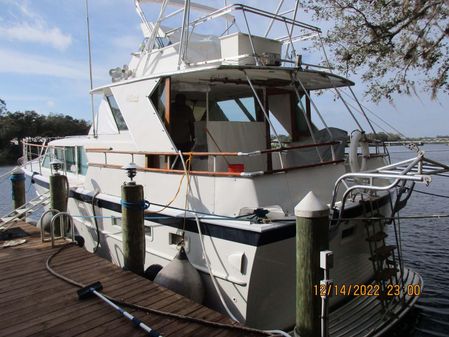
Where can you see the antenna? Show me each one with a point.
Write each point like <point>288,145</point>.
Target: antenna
<point>90,70</point>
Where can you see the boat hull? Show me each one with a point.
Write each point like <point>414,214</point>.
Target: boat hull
<point>255,269</point>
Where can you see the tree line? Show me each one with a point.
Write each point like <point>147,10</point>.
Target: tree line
<point>15,126</point>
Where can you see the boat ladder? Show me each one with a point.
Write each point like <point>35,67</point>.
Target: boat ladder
<point>386,259</point>
<point>27,208</point>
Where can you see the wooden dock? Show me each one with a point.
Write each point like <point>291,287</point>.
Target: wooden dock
<point>33,302</point>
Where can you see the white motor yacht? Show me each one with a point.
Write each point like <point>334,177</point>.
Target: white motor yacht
<point>200,114</point>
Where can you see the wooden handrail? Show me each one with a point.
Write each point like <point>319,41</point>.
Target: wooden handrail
<point>200,154</point>
<point>218,174</point>
<point>305,146</point>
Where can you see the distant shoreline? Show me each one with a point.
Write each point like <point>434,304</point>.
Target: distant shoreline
<point>418,142</point>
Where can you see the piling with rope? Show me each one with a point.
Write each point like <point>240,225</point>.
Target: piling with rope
<point>18,187</point>
<point>133,230</point>
<point>312,236</point>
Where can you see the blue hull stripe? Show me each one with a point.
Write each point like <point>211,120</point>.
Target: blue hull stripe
<point>222,232</point>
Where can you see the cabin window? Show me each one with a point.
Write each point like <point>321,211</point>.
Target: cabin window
<point>302,127</point>
<point>116,113</point>
<point>69,156</point>
<point>241,109</point>
<point>158,98</point>
<point>47,159</point>
<point>70,159</point>
<point>82,161</point>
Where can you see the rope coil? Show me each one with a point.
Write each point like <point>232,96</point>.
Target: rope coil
<point>17,177</point>
<point>135,205</point>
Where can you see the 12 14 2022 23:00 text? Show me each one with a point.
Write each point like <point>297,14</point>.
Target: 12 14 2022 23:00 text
<point>366,290</point>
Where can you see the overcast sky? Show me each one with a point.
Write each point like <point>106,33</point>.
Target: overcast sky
<point>43,63</point>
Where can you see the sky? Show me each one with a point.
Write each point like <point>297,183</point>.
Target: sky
<point>44,63</point>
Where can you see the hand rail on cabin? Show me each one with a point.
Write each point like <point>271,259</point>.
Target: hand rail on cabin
<point>107,151</point>
<point>218,154</point>
<point>221,174</point>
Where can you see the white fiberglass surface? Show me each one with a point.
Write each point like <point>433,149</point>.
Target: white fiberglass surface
<point>144,123</point>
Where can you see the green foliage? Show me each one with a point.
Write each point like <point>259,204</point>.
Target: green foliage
<point>394,44</point>
<point>2,106</point>
<point>384,137</point>
<point>15,126</point>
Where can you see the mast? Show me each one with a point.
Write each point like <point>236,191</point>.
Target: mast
<point>90,70</point>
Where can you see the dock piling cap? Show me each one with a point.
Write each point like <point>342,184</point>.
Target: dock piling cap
<point>311,207</point>
<point>18,171</point>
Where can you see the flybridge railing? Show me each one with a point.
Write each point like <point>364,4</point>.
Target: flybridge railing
<point>187,27</point>
<point>248,9</point>
<point>171,158</point>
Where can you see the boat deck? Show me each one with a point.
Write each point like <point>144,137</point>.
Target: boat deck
<point>33,302</point>
<point>367,316</point>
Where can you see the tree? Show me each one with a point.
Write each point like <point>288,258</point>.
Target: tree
<point>389,41</point>
<point>19,125</point>
<point>2,106</point>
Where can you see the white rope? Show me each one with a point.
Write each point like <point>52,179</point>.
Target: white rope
<point>209,268</point>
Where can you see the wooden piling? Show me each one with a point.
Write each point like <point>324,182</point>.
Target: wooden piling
<point>18,187</point>
<point>58,197</point>
<point>133,231</point>
<point>312,236</point>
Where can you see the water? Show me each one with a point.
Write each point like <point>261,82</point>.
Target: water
<point>425,249</point>
<point>424,244</point>
<point>6,203</point>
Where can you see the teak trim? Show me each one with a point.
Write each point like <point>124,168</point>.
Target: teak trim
<point>218,154</point>
<point>219,174</point>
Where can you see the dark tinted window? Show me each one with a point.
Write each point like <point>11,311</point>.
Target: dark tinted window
<point>121,125</point>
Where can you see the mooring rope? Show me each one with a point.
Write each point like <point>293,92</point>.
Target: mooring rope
<point>136,205</point>
<point>405,217</point>
<point>432,194</point>
<point>145,309</point>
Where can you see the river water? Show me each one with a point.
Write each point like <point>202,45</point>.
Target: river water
<point>425,245</point>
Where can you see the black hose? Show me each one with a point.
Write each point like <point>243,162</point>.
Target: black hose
<point>95,220</point>
<point>150,310</point>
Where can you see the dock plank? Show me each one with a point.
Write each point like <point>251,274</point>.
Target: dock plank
<point>35,303</point>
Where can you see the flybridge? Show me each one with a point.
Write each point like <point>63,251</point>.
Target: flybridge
<point>193,34</point>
